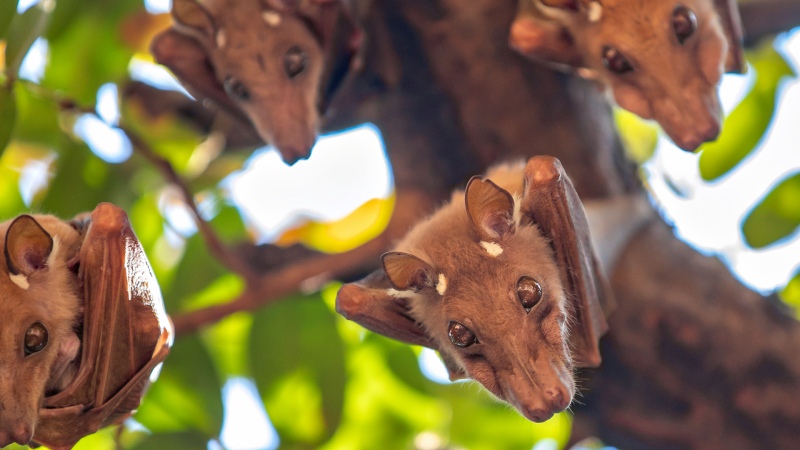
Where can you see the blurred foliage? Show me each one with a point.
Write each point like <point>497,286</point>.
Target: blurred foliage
<point>325,382</point>
<point>747,124</point>
<point>776,217</point>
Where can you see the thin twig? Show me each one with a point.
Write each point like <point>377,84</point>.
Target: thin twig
<point>214,243</point>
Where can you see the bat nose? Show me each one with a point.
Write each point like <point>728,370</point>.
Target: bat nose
<point>536,414</point>
<point>292,154</point>
<point>20,434</point>
<point>558,399</point>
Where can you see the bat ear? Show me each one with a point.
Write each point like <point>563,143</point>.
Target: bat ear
<point>405,271</point>
<point>368,303</point>
<point>490,208</point>
<point>728,11</point>
<point>551,202</point>
<point>27,246</point>
<point>193,19</point>
<point>187,59</point>
<point>545,40</point>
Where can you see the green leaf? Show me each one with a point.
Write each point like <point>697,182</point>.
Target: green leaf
<point>173,441</point>
<point>8,115</point>
<point>196,271</point>
<point>8,10</point>
<point>187,394</point>
<point>748,122</point>
<point>776,217</point>
<point>791,293</point>
<point>22,33</point>
<point>294,345</point>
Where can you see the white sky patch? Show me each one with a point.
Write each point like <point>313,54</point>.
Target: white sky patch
<point>154,75</point>
<point>108,104</point>
<point>344,171</point>
<point>709,216</point>
<point>35,176</point>
<point>23,5</point>
<point>546,444</point>
<point>109,143</point>
<point>178,215</point>
<point>35,61</point>
<point>157,6</point>
<point>432,366</point>
<point>246,425</point>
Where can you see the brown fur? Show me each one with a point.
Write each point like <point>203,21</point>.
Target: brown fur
<point>52,299</point>
<point>673,83</point>
<point>521,358</point>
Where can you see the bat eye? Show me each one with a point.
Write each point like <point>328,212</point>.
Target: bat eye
<point>35,338</point>
<point>235,89</point>
<point>295,61</point>
<point>529,292</point>
<point>461,335</point>
<point>684,22</point>
<point>615,62</point>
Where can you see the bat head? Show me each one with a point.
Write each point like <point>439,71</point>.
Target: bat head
<point>39,304</point>
<point>660,59</point>
<point>263,58</point>
<point>486,283</point>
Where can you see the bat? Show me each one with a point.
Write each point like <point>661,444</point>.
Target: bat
<point>84,326</point>
<point>660,59</point>
<point>274,63</point>
<point>502,282</point>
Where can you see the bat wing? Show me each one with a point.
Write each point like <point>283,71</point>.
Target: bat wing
<point>126,334</point>
<point>551,201</point>
<point>732,22</point>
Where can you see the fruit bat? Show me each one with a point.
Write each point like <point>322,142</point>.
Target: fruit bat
<point>83,326</point>
<point>274,63</point>
<point>502,281</point>
<point>660,59</point>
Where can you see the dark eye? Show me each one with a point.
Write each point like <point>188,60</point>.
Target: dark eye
<point>684,22</point>
<point>461,335</point>
<point>235,89</point>
<point>529,292</point>
<point>295,61</point>
<point>35,338</point>
<point>614,61</point>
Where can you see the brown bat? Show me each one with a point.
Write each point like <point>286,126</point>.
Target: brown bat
<point>273,62</point>
<point>661,59</point>
<point>502,282</point>
<point>83,326</point>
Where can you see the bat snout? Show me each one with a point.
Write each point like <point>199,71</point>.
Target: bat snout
<point>18,433</point>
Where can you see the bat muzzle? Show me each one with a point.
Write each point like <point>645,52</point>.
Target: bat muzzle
<point>19,433</point>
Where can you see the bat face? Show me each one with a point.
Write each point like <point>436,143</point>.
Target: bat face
<point>660,59</point>
<point>39,304</point>
<point>265,60</point>
<point>501,319</point>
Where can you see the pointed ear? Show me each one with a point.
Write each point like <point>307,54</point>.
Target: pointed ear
<point>186,58</point>
<point>544,40</point>
<point>551,202</point>
<point>728,11</point>
<point>193,19</point>
<point>367,303</point>
<point>490,208</point>
<point>27,246</point>
<point>405,272</point>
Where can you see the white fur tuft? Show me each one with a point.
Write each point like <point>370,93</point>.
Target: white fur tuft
<point>272,18</point>
<point>221,38</point>
<point>595,12</point>
<point>401,294</point>
<point>492,248</point>
<point>517,209</point>
<point>20,280</point>
<point>54,252</point>
<point>441,286</point>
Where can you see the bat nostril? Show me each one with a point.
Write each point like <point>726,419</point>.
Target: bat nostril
<point>537,414</point>
<point>711,132</point>
<point>559,401</point>
<point>22,434</point>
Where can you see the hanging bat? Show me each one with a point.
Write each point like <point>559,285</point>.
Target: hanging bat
<point>84,326</point>
<point>502,282</point>
<point>274,63</point>
<point>660,59</point>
